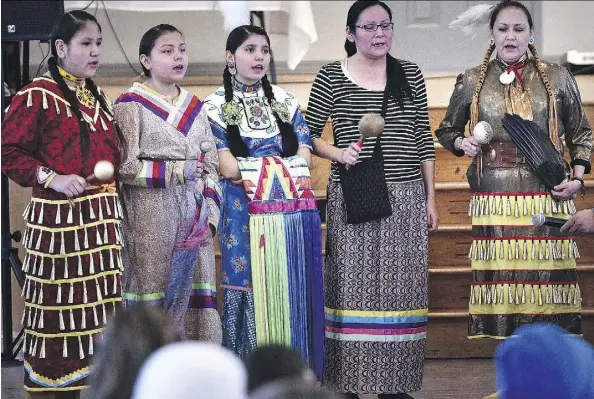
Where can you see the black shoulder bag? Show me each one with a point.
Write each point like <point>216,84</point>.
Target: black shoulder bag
<point>364,185</point>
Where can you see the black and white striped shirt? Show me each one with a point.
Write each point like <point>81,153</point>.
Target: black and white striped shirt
<point>406,140</point>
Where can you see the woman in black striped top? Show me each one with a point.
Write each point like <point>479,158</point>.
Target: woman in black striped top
<point>375,274</point>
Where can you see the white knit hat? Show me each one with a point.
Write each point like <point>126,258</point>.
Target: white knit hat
<point>191,369</point>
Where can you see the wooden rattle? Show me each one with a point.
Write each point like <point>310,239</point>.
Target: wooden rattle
<point>205,147</point>
<point>370,125</point>
<point>482,133</point>
<point>103,171</point>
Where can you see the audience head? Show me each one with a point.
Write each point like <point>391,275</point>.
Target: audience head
<point>129,339</point>
<point>543,361</point>
<point>293,389</point>
<point>274,362</point>
<point>191,369</point>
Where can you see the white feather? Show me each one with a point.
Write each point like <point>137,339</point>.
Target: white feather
<point>472,19</point>
<point>235,13</point>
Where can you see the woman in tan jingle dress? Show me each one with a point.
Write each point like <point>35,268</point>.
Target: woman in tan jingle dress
<point>170,192</point>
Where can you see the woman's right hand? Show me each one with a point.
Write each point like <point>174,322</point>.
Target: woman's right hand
<point>71,185</point>
<point>470,146</point>
<point>350,155</point>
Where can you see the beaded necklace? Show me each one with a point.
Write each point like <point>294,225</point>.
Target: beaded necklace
<point>83,94</point>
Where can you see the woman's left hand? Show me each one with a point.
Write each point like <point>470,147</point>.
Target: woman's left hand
<point>432,215</point>
<point>566,190</point>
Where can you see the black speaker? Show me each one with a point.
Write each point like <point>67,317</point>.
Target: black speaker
<point>29,20</point>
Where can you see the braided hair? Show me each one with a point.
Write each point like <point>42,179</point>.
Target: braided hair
<point>474,108</point>
<point>553,127</point>
<point>108,110</point>
<point>236,144</point>
<point>66,28</point>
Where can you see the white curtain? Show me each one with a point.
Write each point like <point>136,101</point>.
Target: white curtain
<point>301,32</point>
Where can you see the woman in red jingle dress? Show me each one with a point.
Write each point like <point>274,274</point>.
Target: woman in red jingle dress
<point>56,130</point>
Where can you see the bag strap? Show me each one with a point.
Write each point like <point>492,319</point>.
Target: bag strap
<point>377,148</point>
<point>385,101</point>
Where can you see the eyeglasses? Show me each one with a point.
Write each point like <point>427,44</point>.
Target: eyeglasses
<point>373,27</point>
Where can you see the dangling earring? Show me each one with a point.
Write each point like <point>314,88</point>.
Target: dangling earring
<point>531,40</point>
<point>231,67</point>
<point>491,41</point>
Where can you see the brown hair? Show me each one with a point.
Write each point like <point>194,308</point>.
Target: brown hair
<point>509,4</point>
<point>132,335</point>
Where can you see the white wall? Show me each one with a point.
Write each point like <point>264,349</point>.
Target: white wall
<point>566,25</point>
<point>205,36</point>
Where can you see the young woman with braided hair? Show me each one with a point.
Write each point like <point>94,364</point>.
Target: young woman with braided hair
<point>238,147</point>
<point>270,227</point>
<point>521,273</point>
<point>57,129</point>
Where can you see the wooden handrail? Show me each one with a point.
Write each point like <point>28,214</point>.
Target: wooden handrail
<point>448,228</point>
<point>458,314</point>
<point>450,270</point>
<point>448,314</point>
<point>447,186</point>
<point>442,228</point>
<point>468,270</point>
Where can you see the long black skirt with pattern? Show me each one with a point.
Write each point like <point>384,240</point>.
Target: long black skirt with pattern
<point>375,281</point>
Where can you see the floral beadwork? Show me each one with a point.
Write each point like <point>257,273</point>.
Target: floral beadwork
<point>232,113</point>
<point>257,115</point>
<point>282,111</point>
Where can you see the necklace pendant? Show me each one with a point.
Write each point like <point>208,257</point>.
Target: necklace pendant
<point>507,77</point>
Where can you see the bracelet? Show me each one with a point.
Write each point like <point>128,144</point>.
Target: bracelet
<point>583,187</point>
<point>49,180</point>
